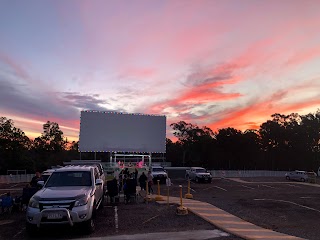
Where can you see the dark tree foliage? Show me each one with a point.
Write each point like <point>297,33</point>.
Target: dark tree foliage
<point>14,147</point>
<point>284,142</point>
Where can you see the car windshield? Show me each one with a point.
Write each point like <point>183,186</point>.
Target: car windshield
<point>200,170</point>
<point>157,169</point>
<point>69,178</point>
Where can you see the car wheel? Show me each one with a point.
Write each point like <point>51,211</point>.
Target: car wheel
<point>187,177</point>
<point>210,180</point>
<point>31,229</point>
<point>303,180</point>
<point>287,177</point>
<point>197,179</point>
<point>89,226</point>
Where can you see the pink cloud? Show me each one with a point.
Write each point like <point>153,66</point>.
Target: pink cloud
<point>139,72</point>
<point>304,56</point>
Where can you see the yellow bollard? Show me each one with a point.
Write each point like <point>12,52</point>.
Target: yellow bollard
<point>181,210</point>
<point>188,195</point>
<point>159,197</point>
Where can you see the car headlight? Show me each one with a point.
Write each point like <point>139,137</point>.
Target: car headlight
<point>34,203</point>
<point>81,201</point>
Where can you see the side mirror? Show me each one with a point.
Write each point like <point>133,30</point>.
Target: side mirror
<point>40,183</point>
<point>99,182</point>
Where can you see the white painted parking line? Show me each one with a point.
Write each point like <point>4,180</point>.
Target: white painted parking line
<point>116,218</point>
<point>148,220</point>
<point>247,187</point>
<point>3,194</point>
<point>275,200</point>
<point>221,188</point>
<point>18,233</point>
<point>4,222</point>
<point>267,186</point>
<point>208,188</point>
<point>14,185</point>
<point>305,197</point>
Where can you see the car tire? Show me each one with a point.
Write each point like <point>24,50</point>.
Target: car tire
<point>303,180</point>
<point>187,176</point>
<point>287,177</point>
<point>31,229</point>
<point>197,180</point>
<point>210,180</point>
<point>89,226</point>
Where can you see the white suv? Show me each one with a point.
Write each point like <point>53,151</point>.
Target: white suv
<point>70,196</point>
<point>158,173</point>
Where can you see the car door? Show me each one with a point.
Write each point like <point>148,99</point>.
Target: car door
<point>293,175</point>
<point>99,188</point>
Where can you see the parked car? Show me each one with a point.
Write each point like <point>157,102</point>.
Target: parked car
<point>297,175</point>
<point>198,174</point>
<point>72,195</point>
<point>158,173</point>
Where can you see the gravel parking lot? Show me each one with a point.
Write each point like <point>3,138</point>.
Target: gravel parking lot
<point>287,207</point>
<point>273,203</point>
<point>133,218</point>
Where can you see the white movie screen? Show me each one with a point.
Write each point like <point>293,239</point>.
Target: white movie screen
<point>122,132</point>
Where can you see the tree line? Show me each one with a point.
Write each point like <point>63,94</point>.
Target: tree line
<point>285,142</point>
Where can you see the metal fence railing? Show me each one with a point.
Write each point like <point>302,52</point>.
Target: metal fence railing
<point>20,178</point>
<point>247,173</point>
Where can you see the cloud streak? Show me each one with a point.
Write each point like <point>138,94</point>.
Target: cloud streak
<point>213,63</point>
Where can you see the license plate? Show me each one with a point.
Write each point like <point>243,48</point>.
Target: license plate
<point>54,216</point>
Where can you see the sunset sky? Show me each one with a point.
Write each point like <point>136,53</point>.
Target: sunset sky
<point>215,63</point>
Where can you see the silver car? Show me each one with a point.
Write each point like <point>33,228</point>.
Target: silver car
<point>70,196</point>
<point>297,175</point>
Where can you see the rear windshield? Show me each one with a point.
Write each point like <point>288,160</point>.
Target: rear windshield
<point>70,178</point>
<point>157,169</point>
<point>45,177</point>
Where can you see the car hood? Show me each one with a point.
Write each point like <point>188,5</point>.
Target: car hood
<point>159,173</point>
<point>73,192</point>
<point>203,174</point>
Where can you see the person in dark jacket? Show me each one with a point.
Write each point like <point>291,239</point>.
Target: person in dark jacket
<point>35,179</point>
<point>112,187</point>
<point>142,180</point>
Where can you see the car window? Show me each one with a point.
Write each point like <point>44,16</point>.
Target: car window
<point>69,178</point>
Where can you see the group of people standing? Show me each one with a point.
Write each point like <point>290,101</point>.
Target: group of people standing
<point>125,174</point>
<point>127,183</point>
